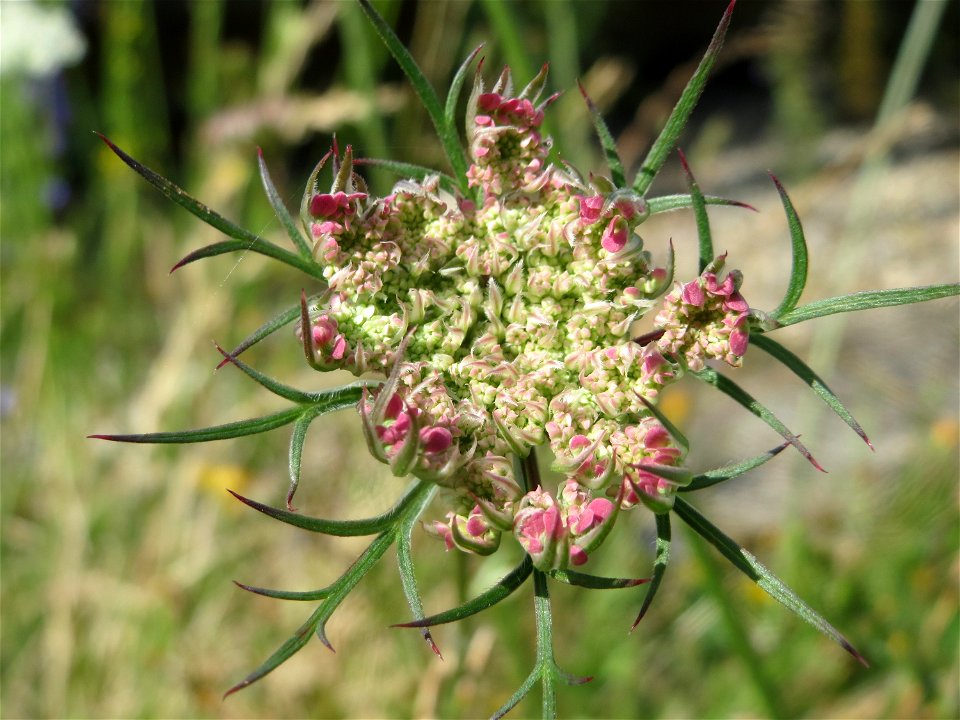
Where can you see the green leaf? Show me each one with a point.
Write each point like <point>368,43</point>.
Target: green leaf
<point>766,580</point>
<point>293,645</point>
<point>243,239</point>
<point>456,86</point>
<point>700,215</point>
<point>798,271</point>
<point>283,215</point>
<point>410,171</point>
<point>447,134</point>
<point>341,528</point>
<point>669,203</point>
<point>659,565</point>
<point>256,245</point>
<point>867,300</point>
<point>317,621</point>
<point>814,381</point>
<point>734,391</point>
<point>727,472</point>
<point>285,594</point>
<point>520,694</point>
<point>667,140</point>
<point>607,142</point>
<point>240,428</point>
<point>595,582</point>
<point>484,600</point>
<point>295,453</point>
<point>329,400</point>
<point>408,577</point>
<point>265,330</point>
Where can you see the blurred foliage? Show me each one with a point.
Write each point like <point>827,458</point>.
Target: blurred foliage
<point>117,561</point>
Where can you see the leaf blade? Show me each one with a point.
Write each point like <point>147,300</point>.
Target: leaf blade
<point>607,143</point>
<point>765,580</point>
<point>283,215</point>
<point>255,245</point>
<point>813,381</point>
<point>800,261</point>
<point>739,395</point>
<point>504,587</point>
<point>660,564</point>
<point>428,96</point>
<point>867,300</point>
<point>667,140</point>
<point>227,431</point>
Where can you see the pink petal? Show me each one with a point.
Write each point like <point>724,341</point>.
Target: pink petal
<point>693,294</point>
<point>615,236</point>
<point>435,439</point>
<point>577,555</point>
<point>322,205</point>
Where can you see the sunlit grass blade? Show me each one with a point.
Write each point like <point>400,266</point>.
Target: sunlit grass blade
<point>264,331</point>
<point>283,215</point>
<point>814,381</point>
<point>766,580</point>
<point>456,86</point>
<point>340,528</point>
<point>667,140</point>
<point>242,239</point>
<point>607,142</point>
<point>317,621</point>
<point>320,594</point>
<point>798,271</point>
<point>866,300</point>
<point>669,203</point>
<point>446,133</point>
<point>253,426</point>
<point>735,392</point>
<point>728,472</point>
<point>705,239</point>
<point>255,245</point>
<point>410,171</point>
<point>659,565</point>
<point>504,587</point>
<point>408,577</point>
<point>595,582</point>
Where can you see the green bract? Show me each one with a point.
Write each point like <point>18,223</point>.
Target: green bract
<point>497,307</point>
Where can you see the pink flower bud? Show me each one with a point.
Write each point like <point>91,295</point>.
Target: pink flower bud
<point>435,439</point>
<point>615,237</point>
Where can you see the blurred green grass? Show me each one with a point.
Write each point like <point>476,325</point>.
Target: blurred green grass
<point>116,561</point>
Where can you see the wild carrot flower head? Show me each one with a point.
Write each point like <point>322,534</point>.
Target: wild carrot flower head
<point>498,309</point>
<point>505,324</point>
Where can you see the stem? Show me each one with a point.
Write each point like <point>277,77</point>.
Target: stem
<point>542,611</point>
<point>530,472</point>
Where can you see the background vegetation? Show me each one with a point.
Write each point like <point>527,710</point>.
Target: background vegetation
<point>117,560</point>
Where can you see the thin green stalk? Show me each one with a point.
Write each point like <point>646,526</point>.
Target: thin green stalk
<point>739,639</point>
<point>544,616</point>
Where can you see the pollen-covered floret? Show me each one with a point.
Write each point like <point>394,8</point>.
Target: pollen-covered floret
<point>504,322</point>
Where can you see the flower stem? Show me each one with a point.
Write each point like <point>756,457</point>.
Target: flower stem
<point>530,472</point>
<point>545,661</point>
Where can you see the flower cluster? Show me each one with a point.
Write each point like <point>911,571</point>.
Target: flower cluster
<point>503,323</point>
